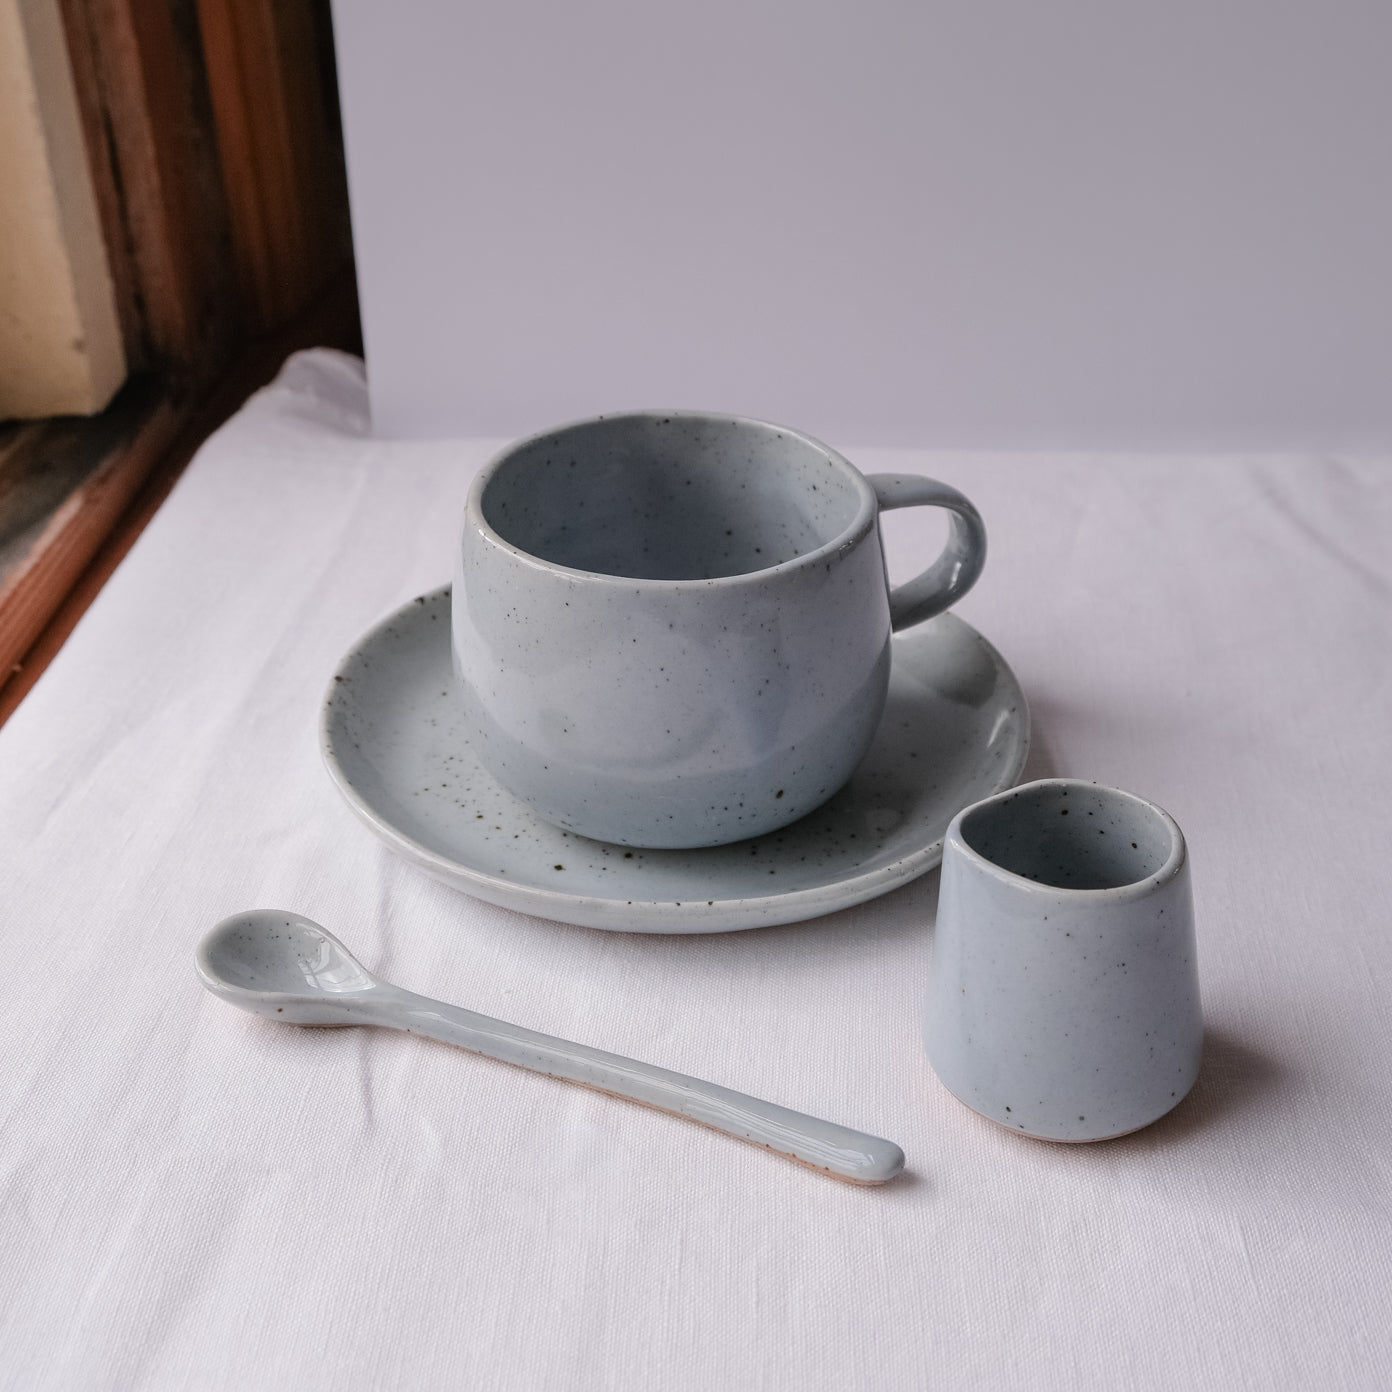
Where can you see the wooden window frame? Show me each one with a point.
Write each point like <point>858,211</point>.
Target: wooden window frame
<point>216,155</point>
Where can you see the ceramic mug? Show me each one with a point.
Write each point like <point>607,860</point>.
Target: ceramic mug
<point>1064,1000</point>
<point>672,629</point>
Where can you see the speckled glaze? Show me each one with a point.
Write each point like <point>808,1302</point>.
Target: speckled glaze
<point>672,629</point>
<point>1064,1000</point>
<point>287,968</point>
<point>397,742</point>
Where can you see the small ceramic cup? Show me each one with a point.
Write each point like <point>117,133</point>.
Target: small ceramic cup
<point>672,629</point>
<point>1064,999</point>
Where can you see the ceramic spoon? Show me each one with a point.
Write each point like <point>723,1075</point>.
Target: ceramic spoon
<point>275,963</point>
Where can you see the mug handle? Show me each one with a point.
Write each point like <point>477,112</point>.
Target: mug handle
<point>956,570</point>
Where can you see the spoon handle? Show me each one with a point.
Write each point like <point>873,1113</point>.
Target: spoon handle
<point>837,1150</point>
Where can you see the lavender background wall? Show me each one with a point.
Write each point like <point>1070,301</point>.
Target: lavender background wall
<point>996,224</point>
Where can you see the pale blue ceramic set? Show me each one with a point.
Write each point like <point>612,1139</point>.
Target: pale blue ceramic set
<point>670,648</point>
<point>674,630</point>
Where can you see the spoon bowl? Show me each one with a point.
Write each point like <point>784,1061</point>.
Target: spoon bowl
<point>276,963</point>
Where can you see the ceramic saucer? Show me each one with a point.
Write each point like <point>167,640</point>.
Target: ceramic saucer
<point>394,737</point>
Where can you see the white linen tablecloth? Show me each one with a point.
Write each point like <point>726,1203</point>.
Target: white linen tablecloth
<point>191,1197</point>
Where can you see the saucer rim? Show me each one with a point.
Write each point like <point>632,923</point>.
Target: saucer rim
<point>632,916</point>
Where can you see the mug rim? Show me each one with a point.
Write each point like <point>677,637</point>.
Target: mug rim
<point>850,535</point>
<point>1173,863</point>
